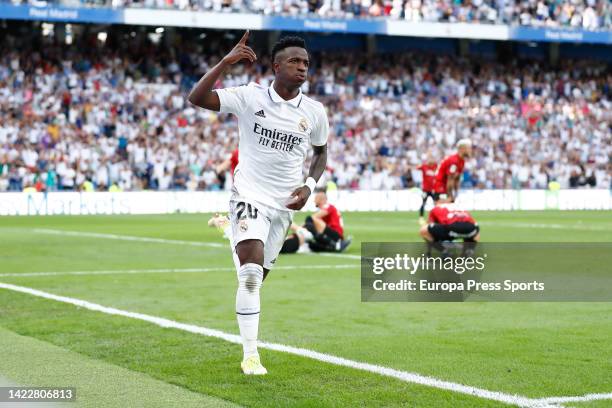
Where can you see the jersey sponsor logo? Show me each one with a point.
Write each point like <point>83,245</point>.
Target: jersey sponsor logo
<point>261,114</point>
<point>277,139</point>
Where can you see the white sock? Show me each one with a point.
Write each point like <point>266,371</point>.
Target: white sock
<point>250,277</point>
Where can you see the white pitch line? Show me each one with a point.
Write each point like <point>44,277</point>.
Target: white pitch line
<point>578,227</point>
<point>583,398</point>
<point>161,240</point>
<point>334,255</point>
<point>404,376</point>
<point>127,238</point>
<point>170,270</point>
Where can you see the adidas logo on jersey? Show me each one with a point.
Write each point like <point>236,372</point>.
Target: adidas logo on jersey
<point>260,114</point>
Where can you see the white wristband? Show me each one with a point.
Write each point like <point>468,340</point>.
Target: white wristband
<point>311,184</point>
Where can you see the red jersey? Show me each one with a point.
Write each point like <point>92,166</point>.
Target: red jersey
<point>234,161</point>
<point>452,165</point>
<point>429,174</point>
<point>333,219</point>
<point>447,214</point>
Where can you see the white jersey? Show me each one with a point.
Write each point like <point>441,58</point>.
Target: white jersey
<point>274,139</point>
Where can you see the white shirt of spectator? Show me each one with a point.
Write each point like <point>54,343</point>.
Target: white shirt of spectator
<point>274,136</point>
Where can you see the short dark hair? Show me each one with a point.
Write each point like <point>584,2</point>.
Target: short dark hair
<point>286,42</point>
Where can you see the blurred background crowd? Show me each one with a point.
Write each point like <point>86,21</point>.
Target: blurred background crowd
<point>113,115</point>
<point>587,14</point>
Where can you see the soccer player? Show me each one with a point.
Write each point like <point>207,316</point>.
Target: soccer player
<point>230,163</point>
<point>428,169</point>
<point>323,230</point>
<point>298,238</point>
<point>448,222</point>
<point>326,225</point>
<point>448,174</point>
<point>277,125</point>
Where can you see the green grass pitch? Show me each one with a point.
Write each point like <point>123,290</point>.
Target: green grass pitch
<point>534,350</point>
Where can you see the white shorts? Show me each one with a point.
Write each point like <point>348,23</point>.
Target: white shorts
<point>251,219</point>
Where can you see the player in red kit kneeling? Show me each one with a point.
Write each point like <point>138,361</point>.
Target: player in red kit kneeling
<point>448,222</point>
<point>428,168</point>
<point>448,174</point>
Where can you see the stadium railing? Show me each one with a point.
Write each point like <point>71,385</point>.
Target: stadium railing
<point>179,18</point>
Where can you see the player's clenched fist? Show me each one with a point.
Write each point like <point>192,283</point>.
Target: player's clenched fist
<point>298,198</point>
<point>241,51</point>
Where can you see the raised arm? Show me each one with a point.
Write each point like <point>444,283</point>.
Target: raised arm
<point>202,94</point>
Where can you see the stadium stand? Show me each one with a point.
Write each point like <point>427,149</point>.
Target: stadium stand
<point>101,115</point>
<point>587,14</point>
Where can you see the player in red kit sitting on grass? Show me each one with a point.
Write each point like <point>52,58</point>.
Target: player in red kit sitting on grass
<point>448,222</point>
<point>428,168</point>
<point>322,231</point>
<point>448,174</point>
<point>326,226</point>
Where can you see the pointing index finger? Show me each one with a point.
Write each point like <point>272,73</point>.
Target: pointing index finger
<point>244,38</point>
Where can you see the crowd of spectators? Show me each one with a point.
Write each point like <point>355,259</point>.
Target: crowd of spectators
<point>99,118</point>
<point>587,14</point>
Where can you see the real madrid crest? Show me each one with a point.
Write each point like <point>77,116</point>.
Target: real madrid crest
<point>303,124</point>
<point>243,226</point>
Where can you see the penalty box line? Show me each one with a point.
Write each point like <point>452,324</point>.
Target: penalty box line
<point>404,376</point>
